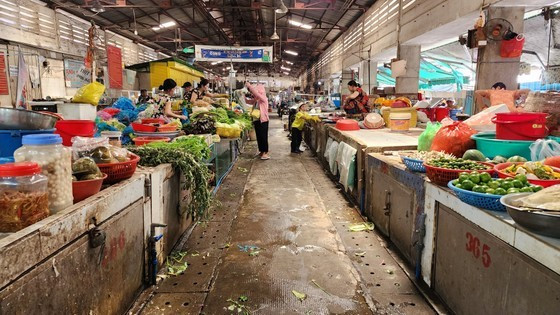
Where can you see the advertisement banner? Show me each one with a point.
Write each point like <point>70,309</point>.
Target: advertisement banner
<point>114,65</point>
<point>76,74</point>
<point>234,54</point>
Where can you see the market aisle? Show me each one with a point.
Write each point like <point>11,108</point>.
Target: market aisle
<point>290,232</point>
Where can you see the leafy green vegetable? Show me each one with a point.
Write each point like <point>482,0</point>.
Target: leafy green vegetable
<point>192,143</point>
<point>193,169</point>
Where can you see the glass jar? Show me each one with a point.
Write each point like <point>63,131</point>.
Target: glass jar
<point>24,197</point>
<point>55,161</point>
<point>114,137</point>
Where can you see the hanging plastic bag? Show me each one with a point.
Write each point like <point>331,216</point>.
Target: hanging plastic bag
<point>483,120</point>
<point>427,136</point>
<point>454,139</point>
<point>542,149</point>
<point>89,93</point>
<point>332,157</point>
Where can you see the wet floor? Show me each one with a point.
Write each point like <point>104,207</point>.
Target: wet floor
<point>278,242</point>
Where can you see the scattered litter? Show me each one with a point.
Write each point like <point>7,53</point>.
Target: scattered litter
<point>243,298</point>
<point>320,287</point>
<point>242,169</point>
<point>226,245</point>
<point>232,195</point>
<point>299,295</point>
<point>56,273</point>
<point>360,227</point>
<point>238,307</point>
<point>175,264</point>
<point>389,271</point>
<point>360,254</point>
<point>195,254</point>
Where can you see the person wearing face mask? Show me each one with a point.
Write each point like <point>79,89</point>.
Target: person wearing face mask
<point>201,91</point>
<point>163,107</point>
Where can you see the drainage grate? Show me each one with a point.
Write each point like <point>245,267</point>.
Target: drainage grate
<point>208,235</point>
<point>198,275</point>
<point>174,303</point>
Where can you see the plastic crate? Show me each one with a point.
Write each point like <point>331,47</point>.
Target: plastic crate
<point>442,176</point>
<point>413,164</point>
<point>479,200</point>
<point>119,171</point>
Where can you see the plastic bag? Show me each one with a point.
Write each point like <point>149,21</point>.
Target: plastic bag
<point>454,139</point>
<point>332,157</point>
<point>483,120</point>
<point>447,121</point>
<point>89,93</point>
<point>427,136</point>
<point>542,149</point>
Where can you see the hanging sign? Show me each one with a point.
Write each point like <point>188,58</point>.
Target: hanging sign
<point>76,74</point>
<point>4,88</point>
<point>234,54</point>
<point>114,65</point>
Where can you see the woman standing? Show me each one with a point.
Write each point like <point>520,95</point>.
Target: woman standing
<point>201,91</point>
<point>163,107</point>
<point>260,118</point>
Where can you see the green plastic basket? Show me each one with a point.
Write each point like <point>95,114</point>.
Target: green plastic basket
<point>491,147</point>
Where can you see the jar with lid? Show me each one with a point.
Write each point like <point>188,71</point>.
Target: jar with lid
<point>24,197</point>
<point>55,161</point>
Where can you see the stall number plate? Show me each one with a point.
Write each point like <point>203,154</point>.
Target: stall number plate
<point>478,250</point>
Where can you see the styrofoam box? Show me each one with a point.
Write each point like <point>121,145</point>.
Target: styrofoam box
<point>77,111</point>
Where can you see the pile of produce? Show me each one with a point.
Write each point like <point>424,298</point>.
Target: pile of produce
<point>483,183</point>
<point>475,155</point>
<point>201,123</point>
<point>185,154</point>
<point>85,169</point>
<point>532,170</point>
<point>458,164</point>
<point>429,155</point>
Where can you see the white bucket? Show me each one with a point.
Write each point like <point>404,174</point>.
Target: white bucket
<point>400,121</point>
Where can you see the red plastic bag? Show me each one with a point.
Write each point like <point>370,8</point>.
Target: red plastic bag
<point>454,139</point>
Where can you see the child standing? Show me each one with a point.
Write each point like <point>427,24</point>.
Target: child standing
<point>297,127</point>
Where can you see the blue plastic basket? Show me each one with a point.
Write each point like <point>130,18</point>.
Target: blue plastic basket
<point>480,200</point>
<point>413,164</point>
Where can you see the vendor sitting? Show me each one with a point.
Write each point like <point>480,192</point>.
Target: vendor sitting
<point>201,91</point>
<point>297,127</point>
<point>188,91</point>
<point>163,107</point>
<point>357,101</point>
<point>499,95</point>
<point>144,97</point>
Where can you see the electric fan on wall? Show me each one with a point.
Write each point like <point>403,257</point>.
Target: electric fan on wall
<point>498,29</point>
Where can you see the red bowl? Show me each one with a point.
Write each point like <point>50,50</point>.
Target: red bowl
<point>167,129</point>
<point>139,141</point>
<point>84,189</point>
<point>542,182</point>
<point>143,128</point>
<point>152,121</point>
<point>347,125</point>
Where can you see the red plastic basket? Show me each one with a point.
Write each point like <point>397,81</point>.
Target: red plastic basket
<point>119,171</point>
<point>442,176</point>
<point>143,128</point>
<point>152,121</point>
<point>84,189</point>
<point>542,182</point>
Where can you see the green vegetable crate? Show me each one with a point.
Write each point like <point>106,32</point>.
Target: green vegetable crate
<point>491,147</point>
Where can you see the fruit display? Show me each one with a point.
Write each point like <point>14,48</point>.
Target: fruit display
<point>458,164</point>
<point>482,182</point>
<point>533,170</point>
<point>428,155</point>
<point>474,155</point>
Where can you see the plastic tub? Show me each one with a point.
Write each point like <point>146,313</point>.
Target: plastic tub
<point>542,182</point>
<point>347,125</point>
<point>69,129</point>
<point>24,197</point>
<point>139,141</point>
<point>388,111</point>
<point>143,127</point>
<point>11,139</point>
<point>400,121</point>
<point>520,126</point>
<point>6,160</point>
<point>490,146</point>
<point>441,113</point>
<point>84,189</point>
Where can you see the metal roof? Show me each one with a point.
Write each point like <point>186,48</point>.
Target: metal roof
<point>225,22</point>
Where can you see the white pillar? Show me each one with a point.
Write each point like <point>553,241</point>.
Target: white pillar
<point>408,83</point>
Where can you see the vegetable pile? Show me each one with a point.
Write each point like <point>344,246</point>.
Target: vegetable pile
<point>185,154</point>
<point>458,164</point>
<point>532,170</point>
<point>483,183</point>
<point>201,123</point>
<point>429,155</point>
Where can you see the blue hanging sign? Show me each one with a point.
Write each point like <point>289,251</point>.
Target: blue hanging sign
<point>233,54</point>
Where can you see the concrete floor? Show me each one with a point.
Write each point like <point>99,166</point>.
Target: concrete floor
<point>298,218</point>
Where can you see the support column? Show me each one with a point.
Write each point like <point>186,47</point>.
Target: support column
<point>368,75</point>
<point>408,83</point>
<point>492,68</point>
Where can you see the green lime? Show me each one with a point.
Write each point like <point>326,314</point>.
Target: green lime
<point>513,191</point>
<point>517,183</point>
<point>479,189</point>
<point>500,181</point>
<point>494,184</point>
<point>467,184</point>
<point>459,186</point>
<point>463,177</point>
<point>507,185</point>
<point>521,177</point>
<point>485,177</point>
<point>536,188</point>
<point>464,173</point>
<point>526,189</point>
<point>475,177</point>
<point>509,179</point>
<point>500,191</point>
<point>455,182</point>
<point>491,191</point>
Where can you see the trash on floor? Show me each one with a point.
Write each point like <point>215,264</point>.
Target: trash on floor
<point>299,295</point>
<point>360,227</point>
